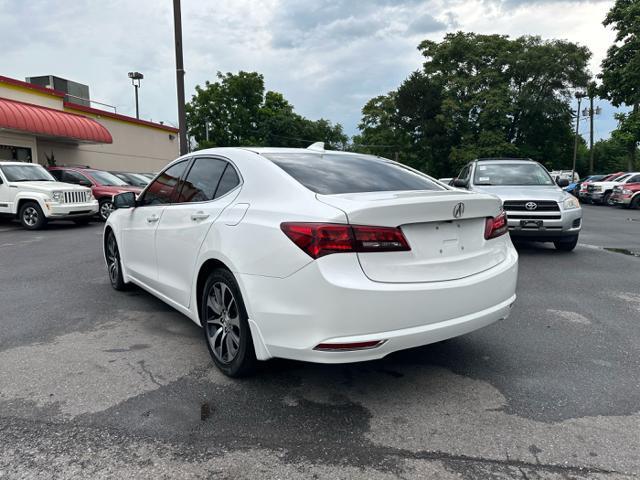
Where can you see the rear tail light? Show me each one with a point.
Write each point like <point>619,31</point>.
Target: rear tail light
<point>495,226</point>
<point>319,239</point>
<point>337,347</point>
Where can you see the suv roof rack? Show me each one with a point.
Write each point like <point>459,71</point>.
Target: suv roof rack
<point>502,158</point>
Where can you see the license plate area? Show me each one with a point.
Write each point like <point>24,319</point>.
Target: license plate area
<point>531,224</point>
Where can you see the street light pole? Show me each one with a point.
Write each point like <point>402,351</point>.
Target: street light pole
<point>177,27</point>
<point>579,96</point>
<point>135,81</point>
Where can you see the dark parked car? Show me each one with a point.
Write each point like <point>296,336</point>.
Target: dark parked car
<point>103,184</point>
<point>133,179</point>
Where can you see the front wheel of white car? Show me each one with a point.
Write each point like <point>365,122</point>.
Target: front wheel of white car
<point>114,265</point>
<point>225,324</point>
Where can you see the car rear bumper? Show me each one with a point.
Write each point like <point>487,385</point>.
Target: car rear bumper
<point>331,301</point>
<point>71,210</point>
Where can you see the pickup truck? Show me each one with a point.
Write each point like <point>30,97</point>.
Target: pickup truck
<point>627,195</point>
<point>600,192</point>
<point>30,193</point>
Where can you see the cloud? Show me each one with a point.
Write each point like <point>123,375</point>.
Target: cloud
<point>328,57</point>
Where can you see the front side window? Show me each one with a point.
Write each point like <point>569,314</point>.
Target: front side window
<point>634,179</point>
<point>26,173</point>
<point>505,173</point>
<point>334,174</point>
<point>161,190</point>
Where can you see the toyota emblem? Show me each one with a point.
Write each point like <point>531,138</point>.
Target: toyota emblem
<point>458,210</point>
<point>531,205</point>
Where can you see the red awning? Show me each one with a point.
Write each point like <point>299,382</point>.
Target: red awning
<point>26,117</point>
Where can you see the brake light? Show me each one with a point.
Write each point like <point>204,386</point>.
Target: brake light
<point>495,226</point>
<point>319,239</point>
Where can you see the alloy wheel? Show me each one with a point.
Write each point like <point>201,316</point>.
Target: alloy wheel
<point>30,216</point>
<point>113,259</point>
<point>222,318</point>
<point>105,209</point>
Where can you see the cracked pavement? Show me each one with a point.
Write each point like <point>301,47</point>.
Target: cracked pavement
<point>99,384</point>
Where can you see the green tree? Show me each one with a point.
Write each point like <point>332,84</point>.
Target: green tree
<point>621,71</point>
<point>236,111</point>
<point>381,132</point>
<point>479,96</point>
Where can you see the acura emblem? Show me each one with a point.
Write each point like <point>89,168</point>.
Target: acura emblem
<point>531,205</point>
<point>458,210</point>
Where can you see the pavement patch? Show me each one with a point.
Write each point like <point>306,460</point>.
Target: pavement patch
<point>91,371</point>
<point>573,317</point>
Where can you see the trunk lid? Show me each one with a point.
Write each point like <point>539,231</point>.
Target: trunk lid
<point>442,247</point>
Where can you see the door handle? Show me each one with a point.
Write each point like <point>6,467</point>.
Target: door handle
<point>199,216</point>
<point>153,218</point>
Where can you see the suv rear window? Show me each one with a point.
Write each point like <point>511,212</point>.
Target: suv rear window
<point>331,174</point>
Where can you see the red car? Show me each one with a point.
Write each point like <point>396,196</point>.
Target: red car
<point>103,184</point>
<point>627,195</point>
<point>582,193</point>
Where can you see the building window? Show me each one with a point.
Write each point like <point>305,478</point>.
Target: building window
<point>15,154</point>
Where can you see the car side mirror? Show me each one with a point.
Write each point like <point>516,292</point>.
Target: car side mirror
<point>124,200</point>
<point>460,183</point>
<point>562,182</point>
<point>84,183</point>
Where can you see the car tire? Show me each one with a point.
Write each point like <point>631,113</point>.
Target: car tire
<point>31,216</point>
<point>225,325</point>
<point>105,209</point>
<point>114,264</point>
<point>635,203</point>
<point>606,199</point>
<point>81,221</point>
<point>566,245</point>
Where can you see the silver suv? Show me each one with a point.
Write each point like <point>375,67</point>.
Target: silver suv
<point>537,208</point>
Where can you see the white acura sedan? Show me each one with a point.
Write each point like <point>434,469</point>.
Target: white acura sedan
<point>312,255</point>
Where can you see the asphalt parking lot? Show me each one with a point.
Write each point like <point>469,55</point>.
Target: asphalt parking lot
<point>98,384</point>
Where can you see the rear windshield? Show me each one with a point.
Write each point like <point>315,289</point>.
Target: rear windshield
<point>511,174</point>
<point>331,174</point>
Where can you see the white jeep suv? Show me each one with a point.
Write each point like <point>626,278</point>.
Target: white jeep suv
<point>29,192</point>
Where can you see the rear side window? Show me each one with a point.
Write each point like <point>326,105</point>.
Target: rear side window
<point>208,178</point>
<point>634,179</point>
<point>161,190</point>
<point>202,180</point>
<point>331,174</point>
<point>228,182</point>
<point>69,176</point>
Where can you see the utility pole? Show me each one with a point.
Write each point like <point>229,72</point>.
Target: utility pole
<point>182,124</point>
<point>591,152</point>
<point>579,96</point>
<point>592,91</point>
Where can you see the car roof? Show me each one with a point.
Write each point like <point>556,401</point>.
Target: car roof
<point>505,159</point>
<point>6,162</point>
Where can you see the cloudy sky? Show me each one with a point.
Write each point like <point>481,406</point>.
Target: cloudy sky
<point>328,57</point>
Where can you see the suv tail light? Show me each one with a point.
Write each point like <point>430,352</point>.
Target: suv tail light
<point>495,226</point>
<point>319,239</point>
